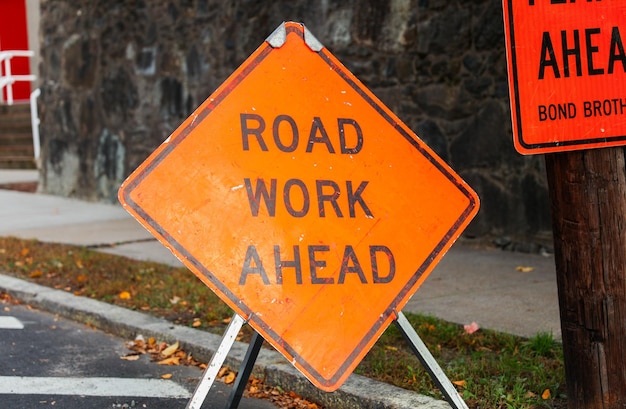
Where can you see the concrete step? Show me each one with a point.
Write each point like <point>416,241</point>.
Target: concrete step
<point>16,143</point>
<point>15,118</point>
<point>16,150</point>
<point>15,138</point>
<point>17,162</point>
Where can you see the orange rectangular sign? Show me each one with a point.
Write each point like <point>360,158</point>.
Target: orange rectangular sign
<point>567,73</point>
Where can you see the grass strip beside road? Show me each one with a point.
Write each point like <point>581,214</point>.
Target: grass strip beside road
<point>489,369</point>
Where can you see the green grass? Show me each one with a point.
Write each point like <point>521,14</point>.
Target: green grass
<point>489,369</point>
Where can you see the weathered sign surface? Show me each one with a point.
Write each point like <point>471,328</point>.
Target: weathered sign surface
<point>303,202</point>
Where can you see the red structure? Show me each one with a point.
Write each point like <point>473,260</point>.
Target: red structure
<point>14,36</point>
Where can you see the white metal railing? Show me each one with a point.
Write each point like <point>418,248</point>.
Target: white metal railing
<point>7,79</point>
<point>34,123</point>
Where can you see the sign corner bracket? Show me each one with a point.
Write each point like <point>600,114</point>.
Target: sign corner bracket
<point>279,36</point>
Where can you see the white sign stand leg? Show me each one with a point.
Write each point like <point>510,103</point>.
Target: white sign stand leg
<point>428,361</point>
<point>216,363</point>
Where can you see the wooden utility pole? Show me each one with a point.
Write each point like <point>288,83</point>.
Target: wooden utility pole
<point>576,118</point>
<point>588,201</point>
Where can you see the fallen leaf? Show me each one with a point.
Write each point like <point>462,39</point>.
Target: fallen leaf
<point>130,357</point>
<point>461,383</point>
<point>428,327</point>
<point>230,378</point>
<point>524,269</point>
<point>530,394</point>
<point>170,350</point>
<point>223,370</point>
<point>166,376</point>
<point>124,295</point>
<point>471,328</point>
<point>546,394</point>
<point>36,274</point>
<point>157,350</point>
<point>79,263</point>
<point>226,320</point>
<point>391,348</point>
<point>174,300</point>
<point>173,360</point>
<point>196,323</point>
<point>81,278</point>
<point>25,252</point>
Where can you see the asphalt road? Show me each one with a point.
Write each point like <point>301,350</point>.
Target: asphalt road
<point>47,361</point>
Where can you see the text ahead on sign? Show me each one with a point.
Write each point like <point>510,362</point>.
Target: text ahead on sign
<point>303,202</point>
<point>567,73</point>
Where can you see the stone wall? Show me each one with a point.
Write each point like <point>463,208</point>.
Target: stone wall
<point>119,76</point>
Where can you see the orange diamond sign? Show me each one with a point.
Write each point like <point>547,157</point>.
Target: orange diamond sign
<point>303,202</point>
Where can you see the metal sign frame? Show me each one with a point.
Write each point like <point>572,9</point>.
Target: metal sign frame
<point>416,344</point>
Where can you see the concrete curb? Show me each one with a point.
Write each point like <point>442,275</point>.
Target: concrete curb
<point>358,392</point>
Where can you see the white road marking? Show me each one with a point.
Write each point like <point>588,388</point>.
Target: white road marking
<point>10,323</point>
<point>128,387</point>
